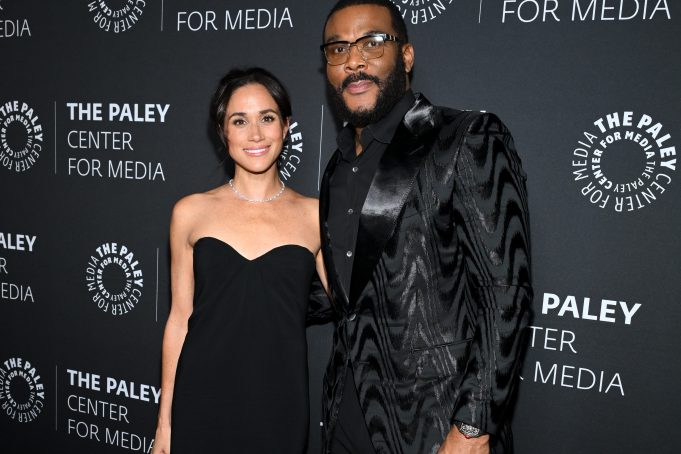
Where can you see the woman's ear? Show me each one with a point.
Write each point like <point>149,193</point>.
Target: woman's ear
<point>287,122</point>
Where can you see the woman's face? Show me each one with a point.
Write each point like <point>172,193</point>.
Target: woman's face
<point>254,128</point>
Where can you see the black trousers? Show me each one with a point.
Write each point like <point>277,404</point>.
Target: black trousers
<point>351,435</point>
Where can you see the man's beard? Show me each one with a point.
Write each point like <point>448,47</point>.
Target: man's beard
<point>390,91</point>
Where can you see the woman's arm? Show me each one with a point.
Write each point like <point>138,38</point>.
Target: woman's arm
<point>182,288</point>
<point>321,270</point>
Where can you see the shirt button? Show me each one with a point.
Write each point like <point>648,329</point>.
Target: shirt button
<point>355,169</point>
<point>350,211</point>
<point>352,316</point>
<point>348,254</point>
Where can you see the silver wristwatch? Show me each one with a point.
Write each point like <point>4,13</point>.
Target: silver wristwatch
<point>467,430</point>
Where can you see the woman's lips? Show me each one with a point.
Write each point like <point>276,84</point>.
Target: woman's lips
<point>259,151</point>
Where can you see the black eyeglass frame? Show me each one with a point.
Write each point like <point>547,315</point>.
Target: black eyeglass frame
<point>384,36</point>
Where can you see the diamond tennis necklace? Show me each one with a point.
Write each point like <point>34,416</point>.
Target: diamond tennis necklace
<point>268,199</point>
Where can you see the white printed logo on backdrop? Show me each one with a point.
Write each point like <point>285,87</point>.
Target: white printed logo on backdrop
<point>22,394</point>
<point>625,163</point>
<point>104,140</point>
<point>292,154</point>
<point>104,409</point>
<point>561,358</point>
<point>234,19</point>
<point>116,16</point>
<point>10,290</point>
<point>21,136</point>
<point>416,12</point>
<point>543,11</point>
<point>13,27</point>
<point>114,279</point>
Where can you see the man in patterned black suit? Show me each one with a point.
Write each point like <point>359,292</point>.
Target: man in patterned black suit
<point>426,244</point>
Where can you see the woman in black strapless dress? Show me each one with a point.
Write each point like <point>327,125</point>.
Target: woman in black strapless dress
<point>243,259</point>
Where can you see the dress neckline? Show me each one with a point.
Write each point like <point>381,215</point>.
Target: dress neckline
<point>281,246</point>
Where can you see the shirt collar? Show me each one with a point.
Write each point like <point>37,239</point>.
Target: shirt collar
<point>382,131</point>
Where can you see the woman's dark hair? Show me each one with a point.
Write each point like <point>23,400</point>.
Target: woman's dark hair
<point>237,78</point>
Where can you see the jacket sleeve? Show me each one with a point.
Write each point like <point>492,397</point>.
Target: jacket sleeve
<point>491,199</point>
<point>319,309</point>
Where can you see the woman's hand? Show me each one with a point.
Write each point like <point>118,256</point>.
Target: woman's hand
<point>162,441</point>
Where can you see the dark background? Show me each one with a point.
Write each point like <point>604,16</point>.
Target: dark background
<point>549,80</point>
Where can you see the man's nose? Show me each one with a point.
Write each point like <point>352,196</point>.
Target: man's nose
<point>355,59</point>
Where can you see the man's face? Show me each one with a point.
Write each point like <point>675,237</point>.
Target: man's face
<point>365,90</point>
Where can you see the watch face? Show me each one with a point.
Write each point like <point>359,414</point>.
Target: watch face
<point>469,431</point>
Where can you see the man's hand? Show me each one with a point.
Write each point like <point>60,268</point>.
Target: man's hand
<point>456,443</point>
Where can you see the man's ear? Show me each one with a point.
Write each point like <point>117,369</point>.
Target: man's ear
<point>408,56</point>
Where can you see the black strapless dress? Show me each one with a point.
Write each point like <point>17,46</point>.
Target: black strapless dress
<point>241,383</point>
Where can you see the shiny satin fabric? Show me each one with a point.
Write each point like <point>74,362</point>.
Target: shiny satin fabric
<point>432,325</point>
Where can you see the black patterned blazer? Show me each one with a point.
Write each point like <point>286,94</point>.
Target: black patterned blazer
<point>440,290</point>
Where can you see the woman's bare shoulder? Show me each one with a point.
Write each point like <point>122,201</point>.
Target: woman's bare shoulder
<point>192,207</point>
<point>308,205</point>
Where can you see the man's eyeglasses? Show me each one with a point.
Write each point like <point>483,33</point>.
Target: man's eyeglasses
<point>369,46</point>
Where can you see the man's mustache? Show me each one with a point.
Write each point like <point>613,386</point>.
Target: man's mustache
<point>357,77</point>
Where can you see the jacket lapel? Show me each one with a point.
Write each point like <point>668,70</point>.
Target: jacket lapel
<point>389,189</point>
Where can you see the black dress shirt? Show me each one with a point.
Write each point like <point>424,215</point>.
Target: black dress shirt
<point>350,182</point>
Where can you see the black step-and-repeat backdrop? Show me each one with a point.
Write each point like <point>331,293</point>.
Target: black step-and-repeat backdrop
<point>104,125</point>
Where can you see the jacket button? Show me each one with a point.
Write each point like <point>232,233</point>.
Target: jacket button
<point>351,317</point>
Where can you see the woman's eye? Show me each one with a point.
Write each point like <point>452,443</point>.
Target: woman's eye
<point>238,122</point>
<point>268,118</point>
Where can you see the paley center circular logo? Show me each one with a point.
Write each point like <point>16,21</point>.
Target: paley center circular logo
<point>22,394</point>
<point>292,154</point>
<point>116,16</point>
<point>625,163</point>
<point>21,136</point>
<point>421,11</point>
<point>114,279</point>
